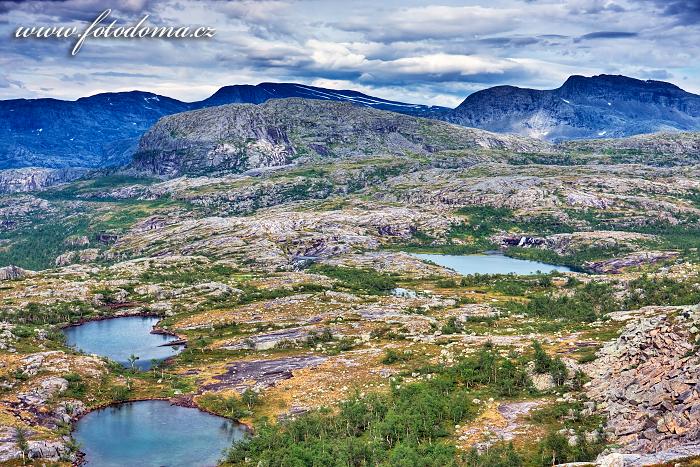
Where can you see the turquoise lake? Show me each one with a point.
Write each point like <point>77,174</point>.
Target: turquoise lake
<point>154,434</point>
<point>490,264</point>
<point>118,338</point>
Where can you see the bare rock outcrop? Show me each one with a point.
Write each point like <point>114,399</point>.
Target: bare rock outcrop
<point>566,243</point>
<point>35,178</point>
<point>9,273</point>
<point>616,265</point>
<point>242,137</point>
<point>647,384</point>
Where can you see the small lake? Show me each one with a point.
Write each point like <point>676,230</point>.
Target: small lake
<point>154,434</point>
<point>118,338</point>
<point>490,264</point>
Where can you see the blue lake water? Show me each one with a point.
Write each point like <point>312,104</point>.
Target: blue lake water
<point>119,338</point>
<point>490,264</point>
<point>154,434</point>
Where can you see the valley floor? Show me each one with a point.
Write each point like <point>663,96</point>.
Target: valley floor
<point>307,318</point>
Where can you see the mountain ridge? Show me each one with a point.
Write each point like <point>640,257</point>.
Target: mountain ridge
<point>582,108</point>
<point>243,137</point>
<point>103,130</point>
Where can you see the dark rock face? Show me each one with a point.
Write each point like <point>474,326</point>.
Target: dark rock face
<point>241,137</point>
<point>599,106</point>
<point>103,130</point>
<point>9,273</point>
<point>35,178</point>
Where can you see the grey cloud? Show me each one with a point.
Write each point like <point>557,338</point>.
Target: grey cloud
<point>6,82</point>
<point>608,35</point>
<point>509,41</point>
<point>77,10</point>
<point>119,74</point>
<point>594,7</point>
<point>686,12</point>
<point>655,74</point>
<point>432,22</point>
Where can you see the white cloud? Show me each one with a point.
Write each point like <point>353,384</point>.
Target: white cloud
<point>434,22</point>
<point>447,64</point>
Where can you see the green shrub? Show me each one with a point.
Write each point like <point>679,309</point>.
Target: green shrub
<point>357,280</point>
<point>558,371</point>
<point>409,425</point>
<point>499,455</point>
<point>542,360</point>
<point>392,356</point>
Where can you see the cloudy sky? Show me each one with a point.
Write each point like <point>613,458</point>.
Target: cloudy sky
<point>432,52</point>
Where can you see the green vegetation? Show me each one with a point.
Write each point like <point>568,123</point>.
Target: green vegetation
<point>366,281</point>
<point>227,406</point>
<point>57,313</point>
<point>36,244</point>
<point>586,304</point>
<point>408,426</point>
<point>573,260</point>
<point>555,448</point>
<point>76,386</point>
<point>84,188</point>
<point>649,290</point>
<point>392,356</point>
<point>546,364</point>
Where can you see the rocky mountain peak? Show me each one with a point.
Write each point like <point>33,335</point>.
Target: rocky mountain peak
<point>241,137</point>
<point>583,107</point>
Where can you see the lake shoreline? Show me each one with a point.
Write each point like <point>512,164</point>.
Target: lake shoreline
<point>185,401</point>
<point>490,263</point>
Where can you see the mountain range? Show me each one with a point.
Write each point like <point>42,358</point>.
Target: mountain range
<point>601,106</point>
<point>104,130</point>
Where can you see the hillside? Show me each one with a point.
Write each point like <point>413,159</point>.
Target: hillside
<point>241,137</point>
<point>599,106</point>
<point>103,130</point>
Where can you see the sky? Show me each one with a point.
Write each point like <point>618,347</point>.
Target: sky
<point>429,52</point>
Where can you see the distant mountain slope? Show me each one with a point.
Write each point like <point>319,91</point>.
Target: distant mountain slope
<point>95,131</point>
<point>599,106</point>
<point>248,94</point>
<point>240,137</point>
<point>103,130</point>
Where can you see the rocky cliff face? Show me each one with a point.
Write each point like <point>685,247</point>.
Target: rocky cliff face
<point>35,178</point>
<point>599,106</point>
<point>243,137</point>
<point>9,273</point>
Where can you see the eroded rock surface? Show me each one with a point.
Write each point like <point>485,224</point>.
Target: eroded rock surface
<point>262,373</point>
<point>646,383</point>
